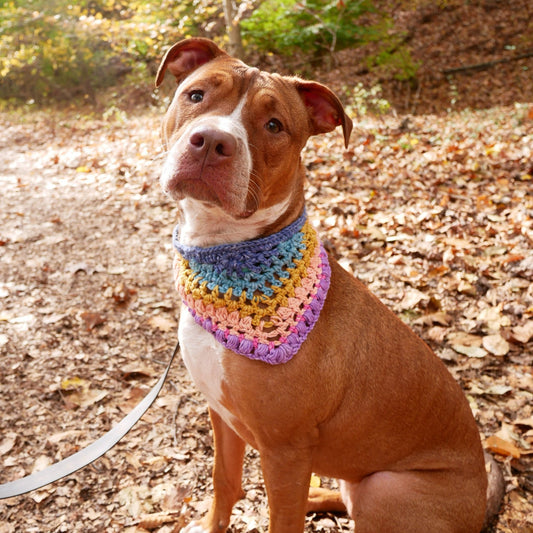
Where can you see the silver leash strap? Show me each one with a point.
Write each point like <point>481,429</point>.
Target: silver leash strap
<point>75,462</point>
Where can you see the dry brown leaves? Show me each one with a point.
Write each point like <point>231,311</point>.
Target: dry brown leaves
<point>434,214</point>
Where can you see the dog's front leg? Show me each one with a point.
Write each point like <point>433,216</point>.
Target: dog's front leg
<point>227,478</point>
<point>287,474</point>
<point>227,473</point>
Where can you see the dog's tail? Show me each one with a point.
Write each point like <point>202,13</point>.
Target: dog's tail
<point>495,492</point>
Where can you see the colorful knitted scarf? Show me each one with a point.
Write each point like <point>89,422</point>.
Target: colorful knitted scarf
<point>259,298</point>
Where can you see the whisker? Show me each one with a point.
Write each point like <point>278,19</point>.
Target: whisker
<point>254,189</point>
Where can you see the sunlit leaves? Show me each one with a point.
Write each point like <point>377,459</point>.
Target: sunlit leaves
<point>53,51</point>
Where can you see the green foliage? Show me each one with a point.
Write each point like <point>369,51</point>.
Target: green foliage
<point>56,50</point>
<point>393,58</point>
<point>312,26</point>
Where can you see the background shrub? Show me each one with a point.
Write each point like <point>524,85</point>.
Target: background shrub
<point>56,50</point>
<point>315,27</point>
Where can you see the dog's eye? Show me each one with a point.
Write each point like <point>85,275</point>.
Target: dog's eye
<point>196,96</point>
<point>274,126</point>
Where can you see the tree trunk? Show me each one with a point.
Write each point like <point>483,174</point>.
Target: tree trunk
<point>233,29</point>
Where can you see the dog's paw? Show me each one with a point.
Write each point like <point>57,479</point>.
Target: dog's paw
<point>193,527</point>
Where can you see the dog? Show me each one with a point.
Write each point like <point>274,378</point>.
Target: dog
<point>295,356</point>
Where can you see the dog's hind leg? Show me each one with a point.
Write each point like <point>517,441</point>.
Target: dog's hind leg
<point>416,502</point>
<point>322,500</point>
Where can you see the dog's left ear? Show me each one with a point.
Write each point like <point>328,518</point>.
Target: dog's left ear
<point>325,109</point>
<point>184,57</point>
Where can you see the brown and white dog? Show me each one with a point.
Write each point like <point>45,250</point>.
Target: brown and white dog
<point>364,400</point>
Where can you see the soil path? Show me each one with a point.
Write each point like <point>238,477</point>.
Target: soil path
<point>88,313</point>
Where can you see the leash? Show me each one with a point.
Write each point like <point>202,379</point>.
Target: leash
<point>95,450</point>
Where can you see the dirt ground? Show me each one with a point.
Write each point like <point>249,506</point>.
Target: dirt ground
<point>434,214</point>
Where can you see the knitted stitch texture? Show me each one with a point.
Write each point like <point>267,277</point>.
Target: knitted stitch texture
<point>259,298</point>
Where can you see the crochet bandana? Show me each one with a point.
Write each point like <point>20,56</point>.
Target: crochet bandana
<point>259,298</point>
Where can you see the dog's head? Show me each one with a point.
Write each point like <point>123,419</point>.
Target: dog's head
<point>234,133</point>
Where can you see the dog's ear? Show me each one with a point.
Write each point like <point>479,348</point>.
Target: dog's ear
<point>325,109</point>
<point>184,57</point>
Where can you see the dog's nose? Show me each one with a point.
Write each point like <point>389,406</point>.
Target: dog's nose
<point>212,145</point>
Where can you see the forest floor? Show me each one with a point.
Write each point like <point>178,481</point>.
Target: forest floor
<point>433,213</point>
<point>431,207</point>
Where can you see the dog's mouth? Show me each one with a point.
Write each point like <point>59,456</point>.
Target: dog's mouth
<point>228,198</point>
<point>178,188</point>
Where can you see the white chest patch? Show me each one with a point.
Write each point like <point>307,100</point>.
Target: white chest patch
<point>202,356</point>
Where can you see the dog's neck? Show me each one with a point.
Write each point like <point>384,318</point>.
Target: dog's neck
<point>203,224</point>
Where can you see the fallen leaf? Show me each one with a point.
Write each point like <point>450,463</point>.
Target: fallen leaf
<point>465,287</point>
<point>167,305</point>
<point>90,397</point>
<point>411,298</point>
<point>168,495</point>
<point>122,294</point>
<point>162,323</point>
<point>74,384</point>
<point>528,422</point>
<point>42,462</point>
<point>457,243</point>
<point>492,319</point>
<point>58,437</point>
<point>39,496</point>
<point>7,443</point>
<point>496,345</point>
<point>374,234</point>
<point>135,500</point>
<point>498,390</point>
<point>7,527</point>
<point>77,393</point>
<point>469,351</point>
<point>136,371</point>
<point>156,520</point>
<point>523,333</point>
<point>117,270</point>
<point>84,398</point>
<point>315,481</point>
<point>156,463</point>
<point>465,339</point>
<point>440,317</point>
<point>73,268</point>
<point>436,334</point>
<point>132,398</point>
<point>92,320</point>
<point>501,446</point>
<point>495,250</point>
